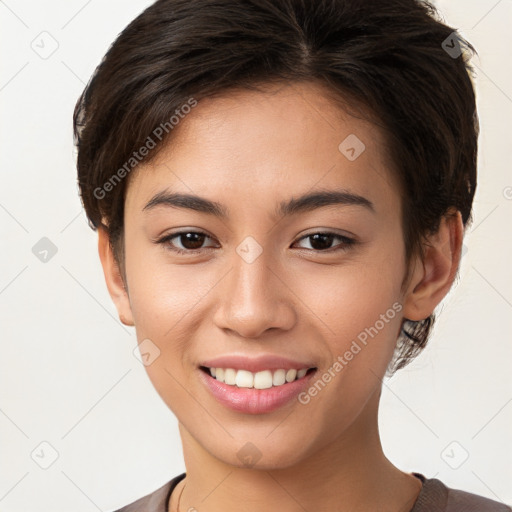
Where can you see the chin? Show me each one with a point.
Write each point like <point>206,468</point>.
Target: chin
<point>259,452</point>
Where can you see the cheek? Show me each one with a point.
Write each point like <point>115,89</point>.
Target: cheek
<point>358,310</point>
<point>359,316</point>
<point>354,300</point>
<point>167,303</point>
<point>350,299</point>
<point>164,300</point>
<point>343,300</point>
<point>163,294</point>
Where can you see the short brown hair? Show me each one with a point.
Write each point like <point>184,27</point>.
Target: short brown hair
<point>394,57</point>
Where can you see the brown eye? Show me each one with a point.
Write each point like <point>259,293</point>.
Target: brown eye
<point>184,241</point>
<point>191,240</point>
<point>323,242</point>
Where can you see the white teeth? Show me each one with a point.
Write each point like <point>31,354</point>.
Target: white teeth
<point>279,378</point>
<point>219,374</point>
<point>230,376</point>
<point>244,379</point>
<point>263,380</point>
<point>290,375</point>
<point>259,380</point>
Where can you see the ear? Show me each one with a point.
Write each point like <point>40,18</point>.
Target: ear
<point>113,278</point>
<point>433,277</point>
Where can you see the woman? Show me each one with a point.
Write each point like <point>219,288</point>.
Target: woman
<point>219,143</point>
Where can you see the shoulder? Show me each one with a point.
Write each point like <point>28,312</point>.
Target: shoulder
<point>467,502</point>
<point>156,501</point>
<point>435,496</point>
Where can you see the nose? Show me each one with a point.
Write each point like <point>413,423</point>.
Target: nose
<point>254,298</point>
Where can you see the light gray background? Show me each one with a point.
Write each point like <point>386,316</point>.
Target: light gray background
<point>68,376</point>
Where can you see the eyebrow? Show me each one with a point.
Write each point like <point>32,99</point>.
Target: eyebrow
<point>305,203</point>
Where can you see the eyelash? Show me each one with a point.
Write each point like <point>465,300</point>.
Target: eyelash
<point>344,246</point>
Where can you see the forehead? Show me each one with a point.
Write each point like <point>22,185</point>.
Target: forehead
<point>253,147</point>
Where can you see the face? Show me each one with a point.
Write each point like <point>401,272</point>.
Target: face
<point>317,283</point>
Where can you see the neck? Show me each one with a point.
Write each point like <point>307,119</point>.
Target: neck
<point>351,473</point>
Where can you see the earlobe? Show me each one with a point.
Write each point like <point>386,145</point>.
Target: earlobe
<point>434,275</point>
<point>113,279</point>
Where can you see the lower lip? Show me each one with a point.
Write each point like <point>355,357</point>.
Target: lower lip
<point>255,401</point>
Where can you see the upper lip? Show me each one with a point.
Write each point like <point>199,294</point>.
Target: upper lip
<point>256,364</point>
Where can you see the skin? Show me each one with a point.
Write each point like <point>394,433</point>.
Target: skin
<point>249,151</point>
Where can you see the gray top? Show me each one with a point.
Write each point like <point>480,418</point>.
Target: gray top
<point>434,497</point>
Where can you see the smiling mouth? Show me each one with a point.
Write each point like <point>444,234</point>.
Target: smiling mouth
<point>257,380</point>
